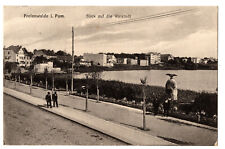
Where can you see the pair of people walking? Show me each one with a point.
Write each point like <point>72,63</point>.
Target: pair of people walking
<point>50,98</point>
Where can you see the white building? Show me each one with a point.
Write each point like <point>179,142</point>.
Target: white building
<point>85,63</point>
<point>133,61</point>
<point>154,58</point>
<point>144,62</point>
<point>196,60</point>
<point>17,54</point>
<point>40,68</point>
<point>98,59</point>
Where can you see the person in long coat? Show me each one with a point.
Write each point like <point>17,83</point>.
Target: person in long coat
<point>55,99</point>
<point>171,92</point>
<point>171,87</point>
<point>48,100</point>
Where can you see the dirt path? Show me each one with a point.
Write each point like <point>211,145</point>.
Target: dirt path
<point>27,125</point>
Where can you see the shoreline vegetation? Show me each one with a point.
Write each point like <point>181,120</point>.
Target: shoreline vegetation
<point>124,67</point>
<point>127,94</point>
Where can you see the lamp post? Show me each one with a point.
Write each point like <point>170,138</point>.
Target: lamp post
<point>72,60</point>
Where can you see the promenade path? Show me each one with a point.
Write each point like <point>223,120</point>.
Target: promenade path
<point>174,130</point>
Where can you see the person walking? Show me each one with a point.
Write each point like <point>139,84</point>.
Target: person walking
<point>55,99</point>
<point>48,100</point>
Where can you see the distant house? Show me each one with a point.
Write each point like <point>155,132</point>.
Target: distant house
<point>111,58</point>
<point>166,57</point>
<point>124,58</point>
<point>204,61</point>
<point>144,62</point>
<point>195,60</point>
<point>154,58</point>
<point>17,54</point>
<point>84,63</point>
<point>132,61</point>
<point>100,59</point>
<point>121,60</point>
<point>40,68</point>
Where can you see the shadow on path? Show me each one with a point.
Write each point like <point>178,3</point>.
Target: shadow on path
<point>176,141</point>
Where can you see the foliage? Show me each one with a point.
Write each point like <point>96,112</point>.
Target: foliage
<point>10,67</point>
<point>188,101</point>
<point>206,102</point>
<point>40,59</point>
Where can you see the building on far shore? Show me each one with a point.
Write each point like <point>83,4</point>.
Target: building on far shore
<point>18,55</point>
<point>166,57</point>
<point>154,58</point>
<point>132,61</point>
<point>195,60</point>
<point>144,62</point>
<point>100,59</point>
<point>84,63</point>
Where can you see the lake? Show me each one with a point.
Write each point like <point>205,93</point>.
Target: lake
<point>196,80</point>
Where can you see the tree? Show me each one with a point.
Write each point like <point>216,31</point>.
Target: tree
<point>10,67</point>
<point>87,86</point>
<point>143,82</point>
<point>53,80</point>
<point>31,73</point>
<point>19,73</point>
<point>61,53</point>
<point>96,75</point>
<point>46,78</point>
<point>207,102</point>
<point>40,59</point>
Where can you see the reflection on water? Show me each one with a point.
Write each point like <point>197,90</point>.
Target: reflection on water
<point>197,80</point>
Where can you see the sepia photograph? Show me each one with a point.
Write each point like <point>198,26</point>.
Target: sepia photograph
<point>110,75</point>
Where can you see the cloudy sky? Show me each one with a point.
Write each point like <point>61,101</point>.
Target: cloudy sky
<point>191,33</point>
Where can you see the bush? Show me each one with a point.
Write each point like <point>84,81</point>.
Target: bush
<point>133,92</point>
<point>206,102</point>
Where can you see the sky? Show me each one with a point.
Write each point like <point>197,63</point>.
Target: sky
<point>192,33</point>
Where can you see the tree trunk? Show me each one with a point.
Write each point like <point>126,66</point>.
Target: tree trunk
<point>144,108</point>
<point>97,93</point>
<point>86,103</point>
<point>53,83</point>
<point>19,79</point>
<point>31,83</point>
<point>15,83</point>
<point>67,86</point>
<point>46,83</point>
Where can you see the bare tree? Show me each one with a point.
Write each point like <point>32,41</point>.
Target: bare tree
<point>96,76</point>
<point>86,102</point>
<point>53,80</point>
<point>67,78</point>
<point>46,78</point>
<point>19,73</point>
<point>144,82</point>
<point>31,79</point>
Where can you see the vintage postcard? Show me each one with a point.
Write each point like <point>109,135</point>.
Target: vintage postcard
<point>110,75</point>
